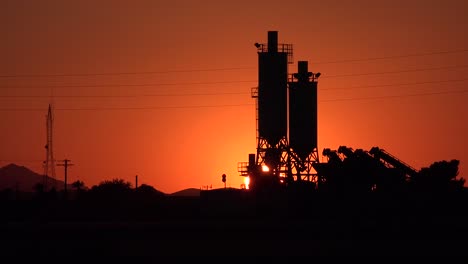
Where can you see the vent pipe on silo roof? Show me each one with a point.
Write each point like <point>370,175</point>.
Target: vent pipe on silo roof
<point>303,73</point>
<point>272,41</point>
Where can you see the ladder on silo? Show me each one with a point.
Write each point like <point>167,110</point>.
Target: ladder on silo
<point>254,94</point>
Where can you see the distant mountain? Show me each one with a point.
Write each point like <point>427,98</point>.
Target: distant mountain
<point>187,192</point>
<point>149,191</point>
<point>23,179</point>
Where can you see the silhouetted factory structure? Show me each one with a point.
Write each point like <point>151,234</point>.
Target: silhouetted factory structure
<point>287,142</point>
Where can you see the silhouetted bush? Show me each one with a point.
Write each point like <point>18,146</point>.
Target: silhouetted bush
<point>439,177</point>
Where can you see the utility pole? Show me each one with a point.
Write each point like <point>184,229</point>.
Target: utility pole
<point>136,182</point>
<point>65,164</point>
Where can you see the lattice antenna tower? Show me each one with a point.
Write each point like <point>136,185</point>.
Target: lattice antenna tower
<point>49,163</point>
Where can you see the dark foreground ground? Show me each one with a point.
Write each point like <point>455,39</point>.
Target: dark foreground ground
<point>237,226</point>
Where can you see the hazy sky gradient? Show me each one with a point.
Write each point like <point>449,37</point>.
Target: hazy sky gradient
<point>178,129</point>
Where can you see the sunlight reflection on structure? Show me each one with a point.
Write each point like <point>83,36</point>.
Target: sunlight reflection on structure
<point>247,182</point>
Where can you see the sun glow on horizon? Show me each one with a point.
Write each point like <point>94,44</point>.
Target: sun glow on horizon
<point>247,182</point>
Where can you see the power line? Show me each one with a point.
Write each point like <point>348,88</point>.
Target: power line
<point>122,96</point>
<point>119,73</point>
<point>394,57</point>
<point>125,85</point>
<point>221,69</point>
<point>21,160</point>
<point>223,82</point>
<point>124,108</point>
<point>393,96</point>
<point>223,93</point>
<point>393,85</point>
<point>399,71</point>
<point>231,105</point>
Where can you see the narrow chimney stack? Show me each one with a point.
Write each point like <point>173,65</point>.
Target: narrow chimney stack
<point>272,41</point>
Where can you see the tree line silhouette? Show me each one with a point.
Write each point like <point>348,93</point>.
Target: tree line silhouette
<point>352,180</point>
<point>114,215</point>
<point>361,174</point>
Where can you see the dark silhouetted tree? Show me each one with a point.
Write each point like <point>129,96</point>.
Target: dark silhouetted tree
<point>42,193</point>
<point>78,185</point>
<point>79,188</point>
<point>113,185</point>
<point>115,189</point>
<point>440,176</point>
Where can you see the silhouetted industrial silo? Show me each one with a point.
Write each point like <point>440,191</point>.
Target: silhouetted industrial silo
<point>272,89</point>
<point>271,165</point>
<point>287,152</point>
<point>303,111</point>
<point>303,124</point>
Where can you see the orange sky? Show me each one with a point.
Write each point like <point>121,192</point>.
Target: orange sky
<point>178,127</point>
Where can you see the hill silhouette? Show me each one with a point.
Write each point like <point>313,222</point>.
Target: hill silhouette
<point>21,178</point>
<point>187,192</point>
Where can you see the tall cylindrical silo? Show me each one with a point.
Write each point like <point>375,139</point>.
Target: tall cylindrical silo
<point>303,111</point>
<point>272,91</point>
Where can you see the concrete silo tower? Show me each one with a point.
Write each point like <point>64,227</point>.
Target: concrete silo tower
<point>303,123</point>
<point>271,95</point>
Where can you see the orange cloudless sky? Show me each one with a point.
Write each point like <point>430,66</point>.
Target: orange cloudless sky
<point>161,89</point>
